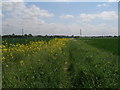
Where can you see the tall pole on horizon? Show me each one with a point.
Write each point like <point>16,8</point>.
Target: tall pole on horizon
<point>80,32</point>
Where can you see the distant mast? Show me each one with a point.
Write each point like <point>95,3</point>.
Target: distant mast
<point>22,32</point>
<point>80,33</point>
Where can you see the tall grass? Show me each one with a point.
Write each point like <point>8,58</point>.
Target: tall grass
<point>78,65</point>
<point>91,67</point>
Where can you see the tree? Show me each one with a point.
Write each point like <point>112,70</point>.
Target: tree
<point>30,35</point>
<point>13,34</point>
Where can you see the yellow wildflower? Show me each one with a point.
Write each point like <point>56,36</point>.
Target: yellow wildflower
<point>21,62</point>
<point>6,65</point>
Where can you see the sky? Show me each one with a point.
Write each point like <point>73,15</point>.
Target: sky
<point>60,18</point>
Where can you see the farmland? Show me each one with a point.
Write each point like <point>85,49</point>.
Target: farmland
<point>60,62</point>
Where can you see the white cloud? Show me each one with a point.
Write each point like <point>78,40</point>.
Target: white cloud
<point>100,29</point>
<point>15,26</point>
<point>1,10</point>
<point>106,15</point>
<point>17,15</point>
<point>59,0</point>
<point>35,28</point>
<point>13,0</point>
<point>102,5</point>
<point>31,20</point>
<point>37,12</point>
<point>87,17</point>
<point>37,0</point>
<point>63,0</point>
<point>13,6</point>
<point>112,0</point>
<point>67,16</point>
<point>1,15</point>
<point>19,9</point>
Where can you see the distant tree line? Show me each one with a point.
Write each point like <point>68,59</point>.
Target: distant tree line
<point>30,35</point>
<point>49,36</point>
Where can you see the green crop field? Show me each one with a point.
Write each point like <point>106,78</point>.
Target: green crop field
<point>24,40</point>
<point>60,63</point>
<point>106,44</point>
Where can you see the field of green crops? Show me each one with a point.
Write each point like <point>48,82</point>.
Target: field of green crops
<point>60,63</point>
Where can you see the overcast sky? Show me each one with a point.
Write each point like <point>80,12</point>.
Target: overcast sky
<point>60,18</point>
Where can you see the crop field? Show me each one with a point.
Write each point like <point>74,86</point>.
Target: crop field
<point>60,62</point>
